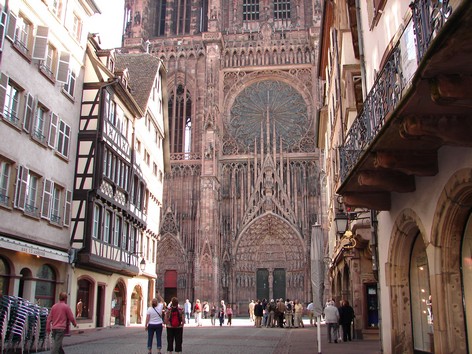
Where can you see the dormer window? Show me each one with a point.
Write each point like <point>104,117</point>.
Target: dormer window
<point>111,64</point>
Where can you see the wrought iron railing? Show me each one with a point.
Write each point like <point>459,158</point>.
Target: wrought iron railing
<point>30,209</point>
<point>11,116</point>
<point>428,18</point>
<point>4,199</point>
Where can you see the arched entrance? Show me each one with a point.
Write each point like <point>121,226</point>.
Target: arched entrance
<point>118,304</point>
<point>269,261</point>
<point>136,305</point>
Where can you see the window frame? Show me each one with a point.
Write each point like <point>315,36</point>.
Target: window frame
<point>6,168</point>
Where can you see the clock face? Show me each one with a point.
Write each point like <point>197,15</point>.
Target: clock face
<point>265,105</point>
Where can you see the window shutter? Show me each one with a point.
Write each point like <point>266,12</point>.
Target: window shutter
<point>40,43</point>
<point>29,112</point>
<point>47,195</point>
<point>67,208</point>
<point>11,26</point>
<point>63,67</point>
<point>3,90</point>
<point>3,26</point>
<point>53,131</point>
<point>21,186</point>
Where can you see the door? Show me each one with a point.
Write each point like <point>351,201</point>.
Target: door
<point>262,284</point>
<point>100,305</point>
<point>279,283</point>
<point>170,285</point>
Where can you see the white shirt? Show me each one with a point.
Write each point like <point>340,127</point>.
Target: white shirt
<point>154,317</point>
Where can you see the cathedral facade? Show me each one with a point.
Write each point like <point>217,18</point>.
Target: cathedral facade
<point>243,193</point>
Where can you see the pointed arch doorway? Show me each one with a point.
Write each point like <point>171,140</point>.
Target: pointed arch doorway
<point>270,261</point>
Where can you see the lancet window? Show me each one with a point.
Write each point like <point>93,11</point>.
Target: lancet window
<point>180,121</point>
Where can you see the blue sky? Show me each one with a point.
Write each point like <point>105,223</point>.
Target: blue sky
<point>110,23</point>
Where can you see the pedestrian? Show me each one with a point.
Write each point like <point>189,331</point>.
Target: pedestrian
<point>288,314</point>
<point>229,314</point>
<point>58,322</point>
<point>174,320</point>
<point>188,310</point>
<point>206,309</point>
<point>154,322</point>
<point>221,315</point>
<point>298,311</point>
<point>265,312</point>
<point>212,315</point>
<point>271,306</point>
<point>332,319</point>
<point>258,313</point>
<point>251,310</point>
<point>346,316</point>
<point>311,312</point>
<point>198,312</point>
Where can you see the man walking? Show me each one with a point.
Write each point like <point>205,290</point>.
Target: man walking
<point>187,310</point>
<point>58,320</point>
<point>332,320</point>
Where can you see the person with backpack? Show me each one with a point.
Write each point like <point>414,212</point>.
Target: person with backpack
<point>154,323</point>
<point>174,320</point>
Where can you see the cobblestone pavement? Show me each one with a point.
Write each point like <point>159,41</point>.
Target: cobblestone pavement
<point>241,338</point>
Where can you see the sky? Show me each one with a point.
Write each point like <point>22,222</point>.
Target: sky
<point>109,24</point>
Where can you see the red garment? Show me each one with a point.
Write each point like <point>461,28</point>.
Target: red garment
<point>59,316</point>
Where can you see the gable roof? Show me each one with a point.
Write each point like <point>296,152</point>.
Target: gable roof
<point>143,69</point>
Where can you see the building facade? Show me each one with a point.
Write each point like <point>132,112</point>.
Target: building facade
<point>118,187</point>
<point>243,191</point>
<point>41,64</point>
<point>398,161</point>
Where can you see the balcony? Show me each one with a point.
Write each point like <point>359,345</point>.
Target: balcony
<point>420,101</point>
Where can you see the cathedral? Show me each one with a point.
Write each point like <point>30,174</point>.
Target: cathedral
<point>243,194</point>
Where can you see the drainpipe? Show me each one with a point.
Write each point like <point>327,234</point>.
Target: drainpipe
<point>360,35</point>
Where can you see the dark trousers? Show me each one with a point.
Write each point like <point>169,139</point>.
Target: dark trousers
<point>346,332</point>
<point>174,334</point>
<point>154,328</point>
<point>57,337</point>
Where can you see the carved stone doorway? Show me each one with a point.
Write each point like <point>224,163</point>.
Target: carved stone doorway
<point>270,261</point>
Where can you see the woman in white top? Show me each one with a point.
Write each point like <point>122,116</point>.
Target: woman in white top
<point>154,320</point>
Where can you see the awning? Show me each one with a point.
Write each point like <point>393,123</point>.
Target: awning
<point>33,249</point>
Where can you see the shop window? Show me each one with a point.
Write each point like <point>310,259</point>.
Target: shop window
<point>84,304</point>
<point>467,278</point>
<point>4,277</point>
<point>372,306</point>
<point>421,301</point>
<point>45,286</point>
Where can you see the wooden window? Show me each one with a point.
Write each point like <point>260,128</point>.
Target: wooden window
<point>48,187</point>
<point>107,226</point>
<point>69,86</point>
<point>63,139</point>
<point>96,221</point>
<point>5,181</point>
<point>41,47</point>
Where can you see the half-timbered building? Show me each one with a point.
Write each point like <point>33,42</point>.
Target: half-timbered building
<point>113,246</point>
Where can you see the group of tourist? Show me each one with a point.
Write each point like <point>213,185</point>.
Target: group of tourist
<point>203,311</point>
<point>277,313</point>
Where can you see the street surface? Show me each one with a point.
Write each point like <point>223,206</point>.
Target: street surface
<point>241,338</point>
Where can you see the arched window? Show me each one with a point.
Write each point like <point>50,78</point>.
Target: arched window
<point>84,304</point>
<point>45,286</point>
<point>4,277</point>
<point>180,121</point>
<point>421,300</point>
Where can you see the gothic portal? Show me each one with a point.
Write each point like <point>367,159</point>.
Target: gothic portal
<point>244,190</point>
